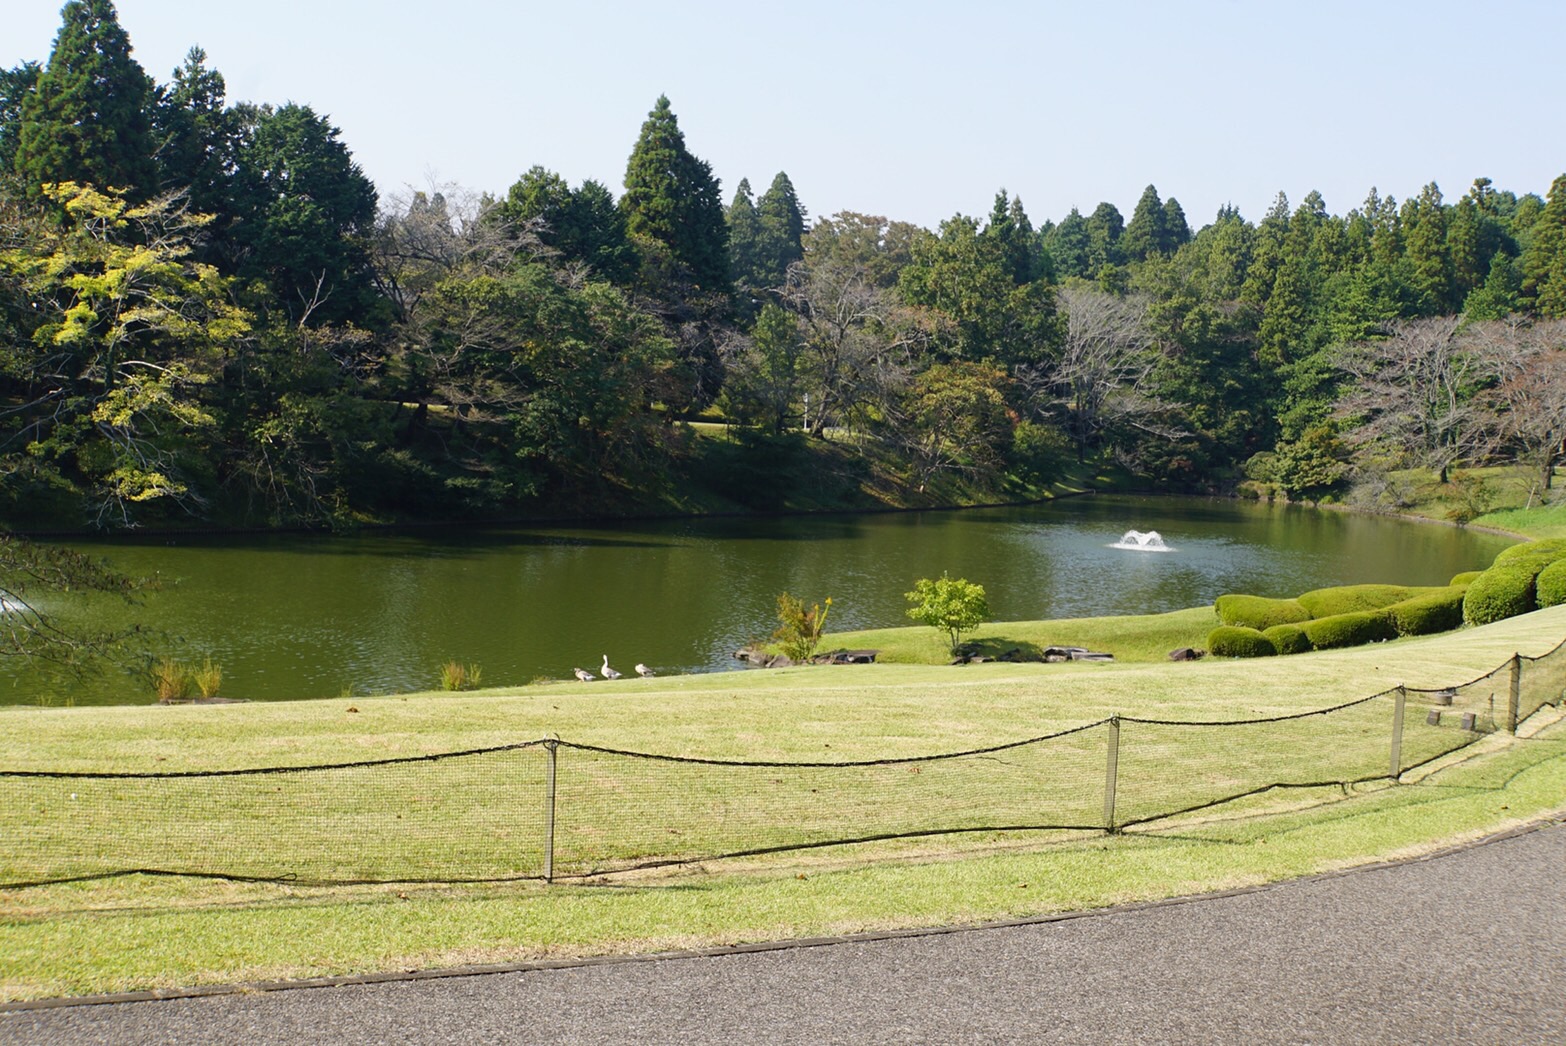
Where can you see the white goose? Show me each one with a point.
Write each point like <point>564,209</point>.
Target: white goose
<point>642,670</point>
<point>606,671</point>
<point>582,674</point>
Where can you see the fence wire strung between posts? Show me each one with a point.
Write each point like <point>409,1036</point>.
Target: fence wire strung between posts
<point>550,809</point>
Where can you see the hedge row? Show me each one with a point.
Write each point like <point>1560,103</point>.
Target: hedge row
<point>1258,612</point>
<point>1353,599</point>
<point>1239,641</point>
<point>1524,577</point>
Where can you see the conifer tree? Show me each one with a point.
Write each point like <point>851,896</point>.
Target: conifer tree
<point>15,85</point>
<point>671,197</point>
<point>86,120</point>
<point>744,238</point>
<point>782,230</point>
<point>1544,263</point>
<point>1145,235</point>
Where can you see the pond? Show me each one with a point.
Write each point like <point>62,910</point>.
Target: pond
<point>294,616</point>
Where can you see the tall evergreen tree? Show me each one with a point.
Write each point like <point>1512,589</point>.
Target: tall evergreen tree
<point>1069,244</point>
<point>1177,231</point>
<point>1145,234</point>
<point>782,230</point>
<point>1544,263</point>
<point>1429,267</point>
<point>672,198</point>
<point>744,238</point>
<point>15,85</point>
<point>197,135</point>
<point>1104,228</point>
<point>86,120</point>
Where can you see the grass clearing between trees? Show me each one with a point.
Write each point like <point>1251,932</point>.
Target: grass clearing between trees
<point>137,932</point>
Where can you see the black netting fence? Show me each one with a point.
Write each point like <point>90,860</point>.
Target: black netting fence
<point>551,809</point>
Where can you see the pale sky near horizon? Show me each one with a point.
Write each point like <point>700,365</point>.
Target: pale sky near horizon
<point>911,110</point>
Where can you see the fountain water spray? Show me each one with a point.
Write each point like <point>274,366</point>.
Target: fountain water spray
<point>1137,541</point>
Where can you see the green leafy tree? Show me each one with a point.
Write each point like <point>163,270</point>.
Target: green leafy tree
<point>583,225</point>
<point>1501,295</point>
<point>86,118</point>
<point>763,380</point>
<point>671,198</point>
<point>949,605</point>
<point>128,330</point>
<point>953,419</point>
<point>1104,228</point>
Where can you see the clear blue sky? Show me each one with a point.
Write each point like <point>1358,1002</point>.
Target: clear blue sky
<point>909,109</point>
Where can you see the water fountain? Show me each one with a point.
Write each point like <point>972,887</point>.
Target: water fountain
<point>1137,541</point>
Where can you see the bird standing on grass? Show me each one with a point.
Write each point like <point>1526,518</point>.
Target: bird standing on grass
<point>642,670</point>
<point>583,674</point>
<point>608,673</point>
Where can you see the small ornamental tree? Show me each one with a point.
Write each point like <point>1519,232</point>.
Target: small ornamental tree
<point>952,605</point>
<point>799,630</point>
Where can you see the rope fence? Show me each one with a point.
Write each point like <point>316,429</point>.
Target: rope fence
<point>551,809</point>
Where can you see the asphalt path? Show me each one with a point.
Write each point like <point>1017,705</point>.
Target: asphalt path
<point>1466,947</point>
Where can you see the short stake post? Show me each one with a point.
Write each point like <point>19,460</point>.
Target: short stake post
<point>1514,694</point>
<point>1111,772</point>
<point>1397,731</point>
<point>550,747</point>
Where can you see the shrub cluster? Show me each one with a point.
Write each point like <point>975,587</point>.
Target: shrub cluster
<point>1259,612</point>
<point>1288,639</point>
<point>1438,610</point>
<point>1466,577</point>
<point>1356,629</point>
<point>1550,586</point>
<point>1353,599</point>
<point>1239,641</point>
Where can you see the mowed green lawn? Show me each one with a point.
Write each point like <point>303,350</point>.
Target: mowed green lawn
<point>127,933</point>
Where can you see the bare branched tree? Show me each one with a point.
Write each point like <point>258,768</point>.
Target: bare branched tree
<point>1412,393</point>
<point>857,340</point>
<point>1529,402</point>
<point>1101,383</point>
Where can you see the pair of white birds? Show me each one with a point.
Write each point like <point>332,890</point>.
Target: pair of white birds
<point>609,673</point>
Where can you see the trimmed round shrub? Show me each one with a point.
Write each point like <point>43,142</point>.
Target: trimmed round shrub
<point>1288,639</point>
<point>1550,586</point>
<point>1259,612</point>
<point>1237,641</point>
<point>1353,599</point>
<point>1503,591</point>
<point>1438,611</point>
<point>1550,549</point>
<point>1466,577</point>
<point>1341,630</point>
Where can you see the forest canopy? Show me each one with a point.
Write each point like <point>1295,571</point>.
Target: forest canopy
<point>210,316</point>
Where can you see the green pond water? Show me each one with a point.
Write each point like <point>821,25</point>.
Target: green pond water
<point>295,616</point>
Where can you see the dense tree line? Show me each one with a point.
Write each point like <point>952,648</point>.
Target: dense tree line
<point>207,312</point>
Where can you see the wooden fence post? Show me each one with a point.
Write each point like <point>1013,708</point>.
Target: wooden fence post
<point>1514,694</point>
<point>1111,773</point>
<point>1397,731</point>
<point>550,747</point>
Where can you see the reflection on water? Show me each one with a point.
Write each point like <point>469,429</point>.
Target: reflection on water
<point>293,617</point>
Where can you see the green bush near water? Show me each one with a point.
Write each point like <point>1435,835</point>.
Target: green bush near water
<point>1466,577</point>
<point>1550,586</point>
<point>1550,549</point>
<point>1440,610</point>
<point>1355,599</point>
<point>1239,641</point>
<point>1288,639</point>
<point>1356,629</point>
<point>1503,591</point>
<point>1259,612</point>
